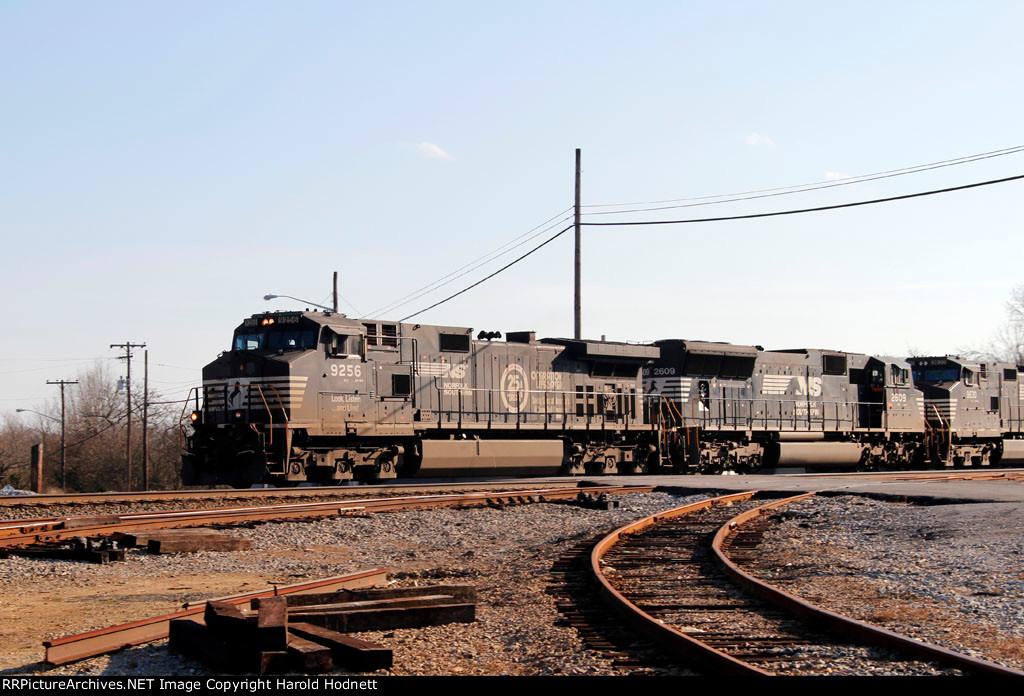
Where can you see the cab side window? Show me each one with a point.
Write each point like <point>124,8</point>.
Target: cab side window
<point>898,375</point>
<point>339,346</point>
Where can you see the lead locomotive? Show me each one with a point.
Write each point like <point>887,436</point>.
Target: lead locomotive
<point>315,396</point>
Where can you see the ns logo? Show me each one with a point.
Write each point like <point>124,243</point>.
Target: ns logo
<point>808,386</point>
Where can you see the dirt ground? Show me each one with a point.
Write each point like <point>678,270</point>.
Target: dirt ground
<point>53,609</point>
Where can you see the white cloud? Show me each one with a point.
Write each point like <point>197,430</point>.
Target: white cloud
<point>758,139</point>
<point>432,151</point>
<point>833,176</point>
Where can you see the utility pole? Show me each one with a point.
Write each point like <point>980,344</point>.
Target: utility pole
<point>127,346</point>
<point>576,304</point>
<point>145,422</point>
<point>63,453</point>
<point>335,292</point>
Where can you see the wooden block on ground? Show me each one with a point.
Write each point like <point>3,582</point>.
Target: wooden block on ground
<point>186,636</point>
<point>424,601</point>
<point>463,594</point>
<point>191,544</point>
<point>272,624</point>
<point>224,654</point>
<point>351,653</point>
<point>194,640</point>
<point>227,622</point>
<point>307,656</point>
<point>353,621</point>
<point>272,662</point>
<point>141,537</point>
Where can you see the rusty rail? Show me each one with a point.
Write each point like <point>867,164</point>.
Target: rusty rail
<point>20,533</point>
<point>82,645</point>
<point>851,629</point>
<point>258,493</point>
<point>665,636</point>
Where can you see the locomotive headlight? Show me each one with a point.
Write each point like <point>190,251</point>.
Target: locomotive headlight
<point>194,416</point>
<point>238,415</point>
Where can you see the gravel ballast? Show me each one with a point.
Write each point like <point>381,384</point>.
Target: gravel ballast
<point>924,570</point>
<point>951,575</point>
<point>506,553</point>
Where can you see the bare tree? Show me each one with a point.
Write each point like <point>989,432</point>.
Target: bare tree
<point>1007,344</point>
<point>16,438</point>
<point>95,423</point>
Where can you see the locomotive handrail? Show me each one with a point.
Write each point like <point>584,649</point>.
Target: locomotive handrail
<point>181,418</point>
<point>521,414</point>
<point>719,411</point>
<point>270,413</point>
<point>270,416</point>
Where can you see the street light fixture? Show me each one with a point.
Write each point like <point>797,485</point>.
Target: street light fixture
<point>273,297</point>
<point>28,410</point>
<point>315,304</point>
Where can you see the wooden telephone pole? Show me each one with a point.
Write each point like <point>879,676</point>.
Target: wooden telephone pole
<point>127,347</point>
<point>578,330</point>
<point>63,451</point>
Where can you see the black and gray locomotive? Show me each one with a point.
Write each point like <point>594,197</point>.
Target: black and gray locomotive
<point>723,406</point>
<point>319,397</point>
<point>315,396</point>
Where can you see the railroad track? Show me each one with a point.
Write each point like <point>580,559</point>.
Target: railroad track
<point>943,475</point>
<point>669,578</point>
<point>48,530</point>
<point>256,494</point>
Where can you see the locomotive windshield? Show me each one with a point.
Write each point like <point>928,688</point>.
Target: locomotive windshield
<point>934,376</point>
<point>276,340</point>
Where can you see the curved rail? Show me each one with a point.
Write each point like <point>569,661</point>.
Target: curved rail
<point>667,637</point>
<point>851,629</point>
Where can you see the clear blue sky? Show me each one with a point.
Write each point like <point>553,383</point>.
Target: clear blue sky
<point>165,165</point>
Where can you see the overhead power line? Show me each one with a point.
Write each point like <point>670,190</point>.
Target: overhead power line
<point>808,210</point>
<point>503,268</point>
<point>802,188</point>
<point>473,265</point>
<point>718,219</point>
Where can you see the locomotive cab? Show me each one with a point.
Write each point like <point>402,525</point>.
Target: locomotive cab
<point>254,394</point>
<point>972,409</point>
